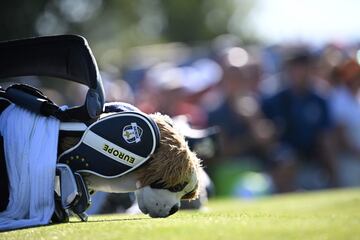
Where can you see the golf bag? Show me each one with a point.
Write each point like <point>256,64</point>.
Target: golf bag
<point>69,57</point>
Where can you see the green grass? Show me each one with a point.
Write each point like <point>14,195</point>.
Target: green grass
<point>316,215</point>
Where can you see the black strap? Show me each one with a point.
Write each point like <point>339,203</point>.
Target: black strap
<point>34,100</point>
<point>64,56</point>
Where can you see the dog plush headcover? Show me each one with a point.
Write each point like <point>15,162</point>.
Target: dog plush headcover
<point>114,145</point>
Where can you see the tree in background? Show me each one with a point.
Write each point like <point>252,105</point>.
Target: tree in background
<point>113,26</point>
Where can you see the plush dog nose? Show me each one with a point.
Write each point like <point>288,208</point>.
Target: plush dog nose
<point>174,209</point>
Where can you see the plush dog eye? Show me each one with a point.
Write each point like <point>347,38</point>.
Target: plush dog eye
<point>177,188</point>
<point>190,195</point>
<point>158,185</point>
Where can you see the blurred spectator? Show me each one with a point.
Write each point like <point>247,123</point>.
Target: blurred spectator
<point>329,58</point>
<point>345,107</point>
<point>164,90</point>
<point>117,90</point>
<point>303,126</point>
<point>244,132</point>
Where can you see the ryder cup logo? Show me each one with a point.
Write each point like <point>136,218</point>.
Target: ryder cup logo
<point>132,133</point>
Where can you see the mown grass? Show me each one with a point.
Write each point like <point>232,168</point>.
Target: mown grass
<point>316,215</point>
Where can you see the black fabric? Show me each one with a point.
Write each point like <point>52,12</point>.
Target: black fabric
<point>86,158</point>
<point>113,107</point>
<point>32,99</point>
<point>64,56</point>
<point>4,179</point>
<point>30,90</point>
<point>3,102</point>
<point>112,130</point>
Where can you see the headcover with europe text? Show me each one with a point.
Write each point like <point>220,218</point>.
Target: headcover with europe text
<point>114,145</point>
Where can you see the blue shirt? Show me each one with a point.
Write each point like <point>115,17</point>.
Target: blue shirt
<point>299,119</point>
<point>229,121</point>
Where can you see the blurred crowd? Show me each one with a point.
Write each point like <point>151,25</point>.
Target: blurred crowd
<point>289,112</point>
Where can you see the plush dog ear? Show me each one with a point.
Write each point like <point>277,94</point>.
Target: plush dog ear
<point>173,162</point>
<point>114,145</point>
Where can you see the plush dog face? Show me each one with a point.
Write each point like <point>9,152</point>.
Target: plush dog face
<point>170,175</point>
<point>158,201</point>
<point>155,199</point>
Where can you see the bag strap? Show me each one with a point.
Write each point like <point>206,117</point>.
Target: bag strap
<point>63,56</point>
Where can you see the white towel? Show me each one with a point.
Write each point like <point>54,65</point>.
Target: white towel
<point>30,145</point>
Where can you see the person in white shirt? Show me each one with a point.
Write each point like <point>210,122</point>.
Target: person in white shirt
<point>345,108</point>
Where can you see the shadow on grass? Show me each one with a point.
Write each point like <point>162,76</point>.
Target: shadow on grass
<point>76,222</point>
<point>110,220</point>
